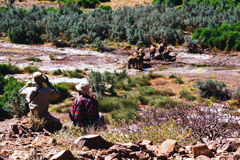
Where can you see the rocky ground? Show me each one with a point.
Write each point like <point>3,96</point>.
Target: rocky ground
<point>218,66</point>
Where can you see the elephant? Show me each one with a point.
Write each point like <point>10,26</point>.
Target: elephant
<point>166,54</point>
<point>152,51</point>
<point>133,60</point>
<point>136,60</point>
<point>161,48</point>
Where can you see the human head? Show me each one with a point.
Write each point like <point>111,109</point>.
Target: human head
<point>37,78</point>
<point>84,88</point>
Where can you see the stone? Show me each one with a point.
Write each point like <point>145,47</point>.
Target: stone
<point>112,156</point>
<point>238,151</point>
<point>167,147</point>
<point>202,157</point>
<point>131,146</point>
<point>63,155</point>
<point>24,155</point>
<point>201,149</point>
<point>146,142</point>
<point>92,142</point>
<point>230,146</point>
<point>221,158</point>
<point>41,140</point>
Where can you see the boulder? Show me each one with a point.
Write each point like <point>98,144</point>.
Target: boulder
<point>167,147</point>
<point>41,140</point>
<point>229,146</point>
<point>131,146</point>
<point>92,142</point>
<point>63,155</point>
<point>201,149</point>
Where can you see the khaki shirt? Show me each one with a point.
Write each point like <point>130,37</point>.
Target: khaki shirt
<point>40,103</point>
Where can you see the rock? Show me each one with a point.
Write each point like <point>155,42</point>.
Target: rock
<point>112,156</point>
<point>93,142</point>
<point>41,140</point>
<point>145,142</point>
<point>131,146</point>
<point>221,158</point>
<point>230,146</point>
<point>202,157</point>
<point>201,149</point>
<point>63,155</point>
<point>167,147</point>
<point>23,155</point>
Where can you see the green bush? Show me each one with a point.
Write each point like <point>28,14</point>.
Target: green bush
<point>162,102</point>
<point>34,59</point>
<point>14,103</point>
<point>74,74</point>
<point>9,69</point>
<point>144,100</point>
<point>211,88</point>
<point>88,3</point>
<point>105,7</point>
<point>124,114</point>
<point>179,80</point>
<point>225,37</point>
<point>57,72</point>
<point>151,91</point>
<point>109,104</point>
<point>185,94</point>
<point>1,83</point>
<point>64,93</point>
<point>49,9</point>
<point>31,69</point>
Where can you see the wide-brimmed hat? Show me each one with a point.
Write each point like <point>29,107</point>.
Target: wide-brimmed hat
<point>37,78</point>
<point>84,88</point>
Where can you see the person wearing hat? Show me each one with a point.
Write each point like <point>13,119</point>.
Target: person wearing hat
<point>84,111</point>
<point>38,97</point>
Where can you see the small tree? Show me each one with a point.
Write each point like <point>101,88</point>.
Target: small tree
<point>213,88</point>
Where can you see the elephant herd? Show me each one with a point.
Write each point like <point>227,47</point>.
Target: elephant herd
<point>136,60</point>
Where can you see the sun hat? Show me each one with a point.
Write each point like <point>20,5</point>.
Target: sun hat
<point>37,78</point>
<point>84,88</point>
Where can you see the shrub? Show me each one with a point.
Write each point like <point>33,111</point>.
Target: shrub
<point>34,59</point>
<point>14,102</point>
<point>35,123</point>
<point>173,76</point>
<point>124,114</point>
<point>109,104</point>
<point>103,82</point>
<point>162,102</point>
<point>225,37</point>
<point>206,123</point>
<point>146,128</point>
<point>64,94</point>
<point>213,88</point>
<point>105,7</point>
<point>31,69</point>
<point>88,3</point>
<point>74,74</point>
<point>1,83</point>
<point>57,72</point>
<point>152,75</point>
<point>9,69</point>
<point>185,94</point>
<point>179,80</point>
<point>144,100</point>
